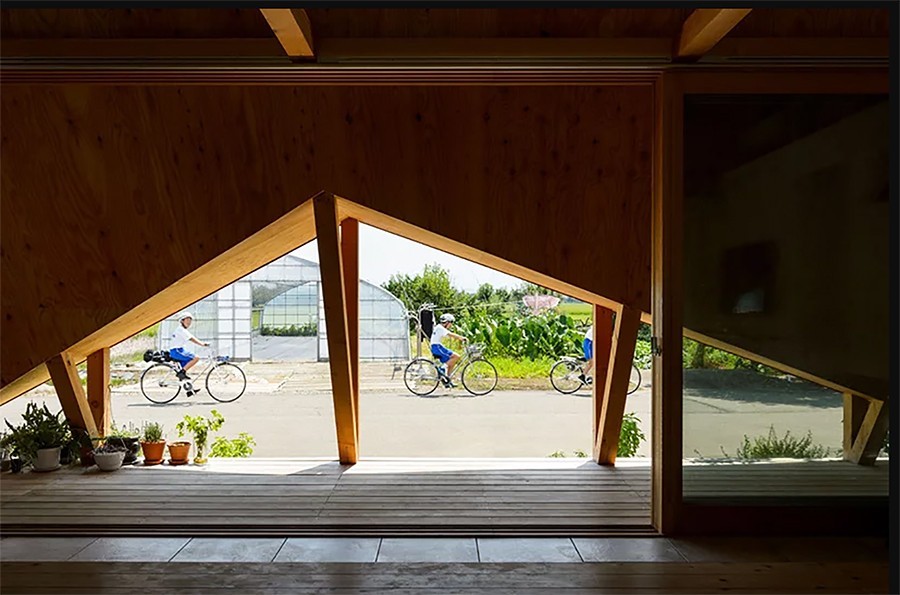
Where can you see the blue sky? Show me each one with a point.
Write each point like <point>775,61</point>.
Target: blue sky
<point>382,254</point>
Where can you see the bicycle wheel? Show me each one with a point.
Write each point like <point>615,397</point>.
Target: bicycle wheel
<point>479,377</point>
<point>226,382</point>
<point>564,376</point>
<point>159,383</point>
<point>421,377</point>
<point>634,382</point>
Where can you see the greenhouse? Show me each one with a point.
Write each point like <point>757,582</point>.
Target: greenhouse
<point>276,314</point>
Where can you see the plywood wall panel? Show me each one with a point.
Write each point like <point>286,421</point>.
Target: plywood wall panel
<point>111,194</point>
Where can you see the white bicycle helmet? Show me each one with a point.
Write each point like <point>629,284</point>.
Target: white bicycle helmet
<point>185,315</point>
<point>447,318</point>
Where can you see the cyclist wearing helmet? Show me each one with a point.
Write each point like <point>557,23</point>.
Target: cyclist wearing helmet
<point>179,346</point>
<point>437,336</point>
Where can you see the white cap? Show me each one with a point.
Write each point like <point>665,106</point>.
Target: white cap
<point>185,315</point>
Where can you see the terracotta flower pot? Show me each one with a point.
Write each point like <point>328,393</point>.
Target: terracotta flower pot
<point>179,453</point>
<point>153,452</point>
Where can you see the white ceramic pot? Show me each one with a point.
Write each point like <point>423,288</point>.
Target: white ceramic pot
<point>47,459</point>
<point>109,461</point>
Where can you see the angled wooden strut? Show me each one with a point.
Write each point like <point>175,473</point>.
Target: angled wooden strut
<point>704,28</point>
<point>336,314</point>
<point>71,394</point>
<point>865,425</point>
<point>350,268</point>
<point>603,340</point>
<point>291,27</point>
<point>621,355</point>
<point>98,390</point>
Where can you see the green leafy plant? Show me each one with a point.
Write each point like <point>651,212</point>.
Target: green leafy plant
<point>153,432</point>
<point>40,429</point>
<point>631,436</point>
<point>580,453</point>
<point>239,447</point>
<point>109,448</point>
<point>200,427</point>
<point>557,455</point>
<point>771,446</point>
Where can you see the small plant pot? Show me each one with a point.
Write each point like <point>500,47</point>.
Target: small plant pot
<point>179,453</point>
<point>153,452</point>
<point>16,464</point>
<point>109,461</point>
<point>132,448</point>
<point>5,465</point>
<point>47,459</point>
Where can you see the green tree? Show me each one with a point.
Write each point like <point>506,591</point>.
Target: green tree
<point>431,286</point>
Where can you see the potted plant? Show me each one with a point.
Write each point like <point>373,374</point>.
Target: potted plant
<point>40,438</point>
<point>85,444</point>
<point>109,456</point>
<point>152,443</point>
<point>128,438</point>
<point>200,427</point>
<point>179,452</point>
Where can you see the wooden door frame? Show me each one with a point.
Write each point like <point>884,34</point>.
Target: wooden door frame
<point>671,515</point>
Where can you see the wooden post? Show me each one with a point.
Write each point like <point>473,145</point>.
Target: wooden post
<point>71,394</point>
<point>621,356</point>
<point>350,264</point>
<point>666,306</point>
<point>98,390</point>
<point>603,339</point>
<point>854,413</point>
<point>334,297</point>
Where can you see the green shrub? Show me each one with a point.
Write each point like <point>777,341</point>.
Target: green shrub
<point>631,436</point>
<point>557,455</point>
<point>240,447</point>
<point>309,329</point>
<point>642,354</point>
<point>771,446</point>
<point>580,453</point>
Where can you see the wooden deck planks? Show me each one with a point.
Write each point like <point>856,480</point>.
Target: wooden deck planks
<point>304,496</point>
<point>630,577</point>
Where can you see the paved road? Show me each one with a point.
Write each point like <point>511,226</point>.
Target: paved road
<point>504,424</point>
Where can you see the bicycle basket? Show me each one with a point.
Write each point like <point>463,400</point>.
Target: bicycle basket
<point>475,350</point>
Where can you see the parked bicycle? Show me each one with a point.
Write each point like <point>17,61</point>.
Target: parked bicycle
<point>565,375</point>
<point>479,376</point>
<point>225,382</point>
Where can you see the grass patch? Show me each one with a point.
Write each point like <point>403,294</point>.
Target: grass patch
<point>508,367</point>
<point>580,312</point>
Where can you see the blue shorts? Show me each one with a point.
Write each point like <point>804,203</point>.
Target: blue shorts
<point>441,352</point>
<point>180,355</point>
<point>588,347</point>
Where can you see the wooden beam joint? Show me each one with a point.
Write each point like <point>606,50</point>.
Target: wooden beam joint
<point>704,28</point>
<point>71,394</point>
<point>293,30</point>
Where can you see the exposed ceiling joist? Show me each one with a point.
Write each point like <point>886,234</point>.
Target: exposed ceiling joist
<point>704,28</point>
<point>291,27</point>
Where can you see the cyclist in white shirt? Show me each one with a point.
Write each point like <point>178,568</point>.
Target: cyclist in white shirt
<point>180,343</point>
<point>588,346</point>
<point>438,350</point>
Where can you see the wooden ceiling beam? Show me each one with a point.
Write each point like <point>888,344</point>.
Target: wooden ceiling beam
<point>141,48</point>
<point>291,27</point>
<point>704,28</point>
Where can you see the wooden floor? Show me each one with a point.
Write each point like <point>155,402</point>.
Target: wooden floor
<point>296,497</point>
<point>425,578</point>
<point>394,496</point>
